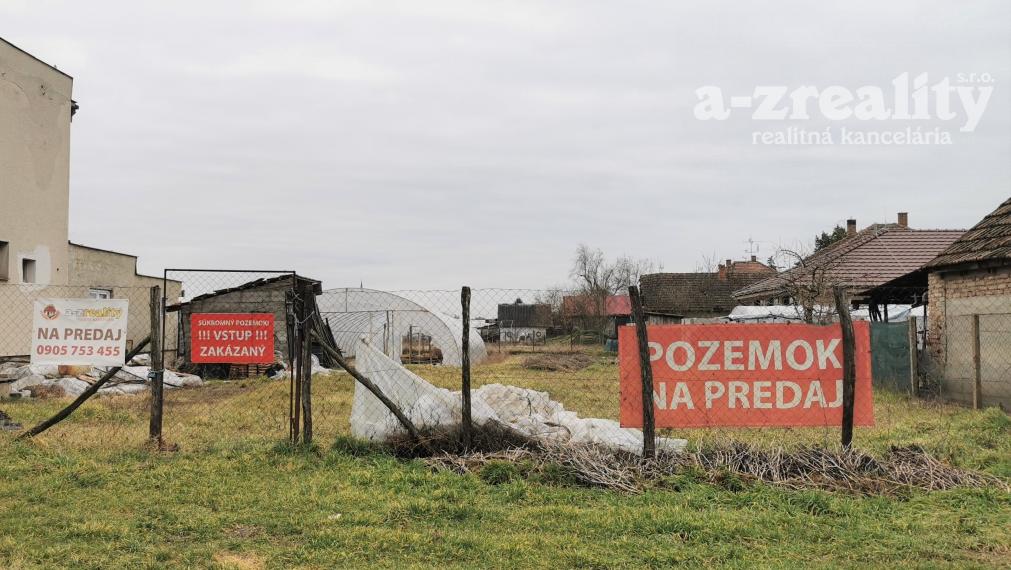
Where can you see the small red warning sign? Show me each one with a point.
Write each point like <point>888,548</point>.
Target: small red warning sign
<point>234,338</point>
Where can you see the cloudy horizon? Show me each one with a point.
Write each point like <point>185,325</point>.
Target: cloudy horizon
<point>414,146</point>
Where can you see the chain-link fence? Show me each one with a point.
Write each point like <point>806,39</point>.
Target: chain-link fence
<point>227,340</point>
<point>548,365</point>
<point>34,392</point>
<point>968,356</point>
<point>544,365</point>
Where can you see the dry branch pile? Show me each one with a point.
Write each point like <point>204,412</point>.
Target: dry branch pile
<point>805,468</point>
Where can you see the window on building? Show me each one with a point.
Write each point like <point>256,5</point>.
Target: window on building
<point>100,293</point>
<point>4,261</point>
<point>28,271</point>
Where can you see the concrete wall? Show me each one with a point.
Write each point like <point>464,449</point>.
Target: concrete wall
<point>114,271</point>
<point>35,104</point>
<point>89,269</point>
<point>17,302</point>
<point>954,297</point>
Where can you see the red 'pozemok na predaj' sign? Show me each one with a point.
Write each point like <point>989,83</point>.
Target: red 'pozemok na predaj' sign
<point>745,375</point>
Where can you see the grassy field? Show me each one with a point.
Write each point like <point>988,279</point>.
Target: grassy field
<point>90,495</point>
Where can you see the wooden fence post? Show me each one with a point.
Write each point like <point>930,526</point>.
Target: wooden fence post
<point>977,366</point>
<point>646,370</point>
<point>157,371</point>
<point>914,363</point>
<point>849,364</point>
<point>468,434</point>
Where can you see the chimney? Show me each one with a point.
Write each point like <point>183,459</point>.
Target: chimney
<point>851,227</point>
<point>723,272</point>
<point>904,219</point>
<point>754,258</point>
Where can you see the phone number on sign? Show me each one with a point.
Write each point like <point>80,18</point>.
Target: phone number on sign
<point>75,350</point>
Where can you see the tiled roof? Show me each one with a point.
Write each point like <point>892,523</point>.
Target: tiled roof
<point>988,240</point>
<point>692,294</point>
<point>618,306</point>
<point>875,255</point>
<point>585,306</point>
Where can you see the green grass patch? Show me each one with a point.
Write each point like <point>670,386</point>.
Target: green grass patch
<point>89,494</point>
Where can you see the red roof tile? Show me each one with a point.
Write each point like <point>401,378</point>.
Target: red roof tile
<point>873,256</point>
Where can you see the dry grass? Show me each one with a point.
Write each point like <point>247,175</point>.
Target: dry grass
<point>899,470</point>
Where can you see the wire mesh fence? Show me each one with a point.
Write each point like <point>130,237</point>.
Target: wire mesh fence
<point>544,365</point>
<point>230,344</point>
<point>33,392</point>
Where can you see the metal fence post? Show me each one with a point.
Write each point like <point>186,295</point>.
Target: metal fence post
<point>157,373</point>
<point>305,360</point>
<point>468,436</point>
<point>977,366</point>
<point>646,370</point>
<point>914,372</point>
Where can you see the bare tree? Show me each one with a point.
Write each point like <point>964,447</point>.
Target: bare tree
<point>807,283</point>
<point>596,277</point>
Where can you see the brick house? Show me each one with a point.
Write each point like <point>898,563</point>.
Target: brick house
<point>971,277</point>
<point>672,297</point>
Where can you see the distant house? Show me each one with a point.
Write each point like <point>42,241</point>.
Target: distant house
<point>584,312</point>
<point>672,297</point>
<point>972,276</point>
<point>521,322</point>
<point>860,262</point>
<point>267,295</point>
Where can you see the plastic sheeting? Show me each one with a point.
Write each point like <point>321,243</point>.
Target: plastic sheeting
<point>386,318</point>
<point>529,412</point>
<point>794,313</point>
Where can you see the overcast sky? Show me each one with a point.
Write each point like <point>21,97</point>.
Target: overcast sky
<point>434,144</point>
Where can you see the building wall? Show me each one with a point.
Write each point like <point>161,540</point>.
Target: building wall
<point>35,108</point>
<point>88,269</point>
<point>954,298</point>
<point>117,272</point>
<point>534,335</point>
<point>18,300</point>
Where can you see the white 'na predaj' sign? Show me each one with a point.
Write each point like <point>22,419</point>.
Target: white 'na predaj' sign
<point>79,331</point>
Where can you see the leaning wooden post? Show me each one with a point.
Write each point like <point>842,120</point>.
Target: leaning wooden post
<point>157,373</point>
<point>296,367</point>
<point>977,366</point>
<point>849,364</point>
<point>308,306</point>
<point>468,435</point>
<point>646,370</point>
<point>914,371</point>
<point>371,387</point>
<point>91,391</point>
